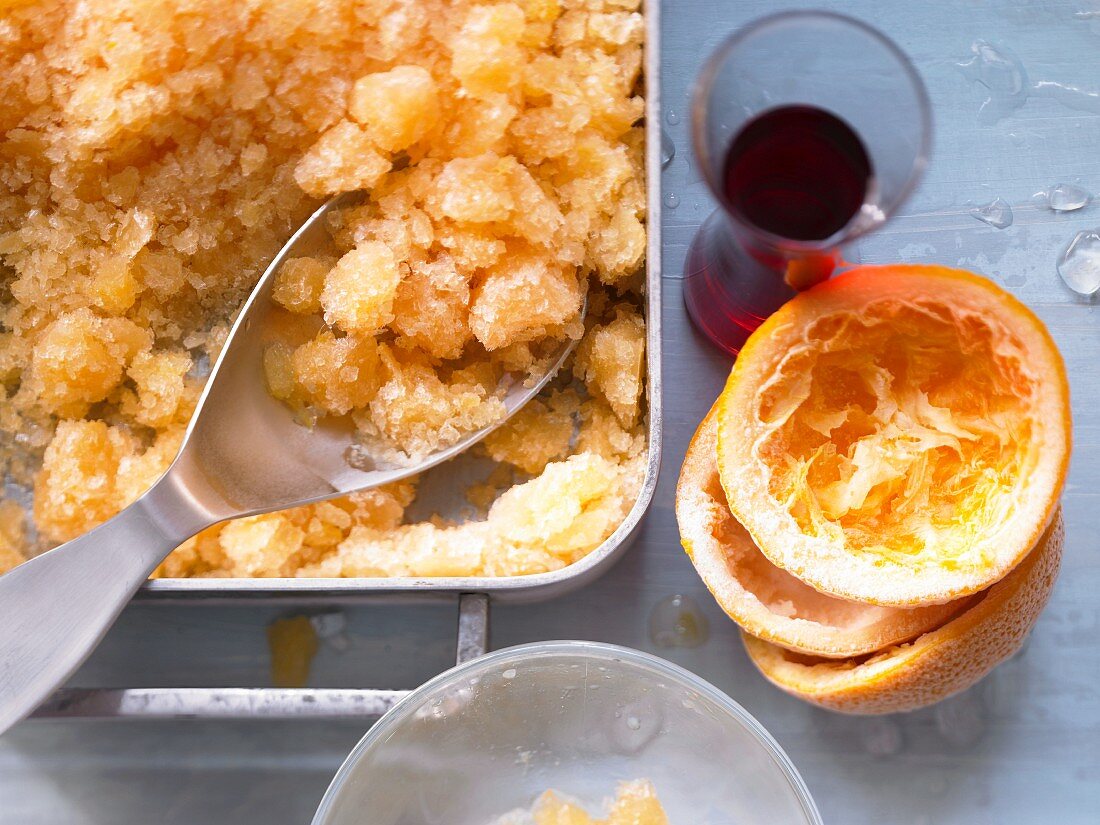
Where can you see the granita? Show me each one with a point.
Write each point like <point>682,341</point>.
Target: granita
<point>635,803</point>
<point>157,154</point>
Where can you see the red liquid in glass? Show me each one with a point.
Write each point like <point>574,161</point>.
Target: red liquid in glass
<point>796,172</point>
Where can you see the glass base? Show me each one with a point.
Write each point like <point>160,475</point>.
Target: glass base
<point>728,292</point>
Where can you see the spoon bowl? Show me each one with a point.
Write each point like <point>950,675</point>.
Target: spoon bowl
<point>245,451</point>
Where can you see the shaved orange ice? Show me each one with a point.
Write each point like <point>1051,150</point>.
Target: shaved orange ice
<point>158,154</point>
<point>635,803</point>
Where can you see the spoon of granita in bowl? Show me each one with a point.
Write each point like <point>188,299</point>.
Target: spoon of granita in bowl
<point>309,399</point>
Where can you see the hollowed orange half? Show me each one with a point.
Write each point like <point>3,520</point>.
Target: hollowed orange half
<point>935,665</point>
<point>897,435</point>
<point>764,599</point>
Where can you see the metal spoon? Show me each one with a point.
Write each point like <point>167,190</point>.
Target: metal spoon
<point>244,453</point>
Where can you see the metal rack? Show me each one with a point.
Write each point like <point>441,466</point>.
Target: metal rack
<point>260,703</point>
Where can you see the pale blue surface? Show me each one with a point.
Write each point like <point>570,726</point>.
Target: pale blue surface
<point>1021,747</point>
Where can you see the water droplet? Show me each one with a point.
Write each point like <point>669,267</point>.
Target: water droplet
<point>1072,97</point>
<point>1079,263</point>
<point>881,736</point>
<point>677,621</point>
<point>510,673</point>
<point>330,628</point>
<point>668,149</point>
<point>1002,76</point>
<point>672,200</point>
<point>639,723</point>
<point>523,758</point>
<point>961,720</point>
<point>672,117</point>
<point>997,214</point>
<point>1066,197</point>
<point>938,785</point>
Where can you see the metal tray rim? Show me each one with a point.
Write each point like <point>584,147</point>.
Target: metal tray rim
<point>539,585</point>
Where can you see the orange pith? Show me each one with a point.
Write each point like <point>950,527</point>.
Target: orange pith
<point>897,435</point>
<point>764,599</point>
<point>935,665</point>
<point>841,459</point>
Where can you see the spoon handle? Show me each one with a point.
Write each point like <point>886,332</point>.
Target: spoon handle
<point>58,606</point>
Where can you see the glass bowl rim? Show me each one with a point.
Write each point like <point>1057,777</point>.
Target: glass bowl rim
<point>600,651</point>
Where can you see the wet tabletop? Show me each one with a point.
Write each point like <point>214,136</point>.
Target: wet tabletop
<point>1015,86</point>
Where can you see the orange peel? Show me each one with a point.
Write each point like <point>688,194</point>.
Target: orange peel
<point>935,665</point>
<point>898,435</point>
<point>764,599</point>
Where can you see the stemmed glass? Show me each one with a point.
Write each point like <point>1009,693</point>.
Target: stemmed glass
<point>786,113</point>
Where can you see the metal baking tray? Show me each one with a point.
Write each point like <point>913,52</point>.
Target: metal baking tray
<point>473,592</point>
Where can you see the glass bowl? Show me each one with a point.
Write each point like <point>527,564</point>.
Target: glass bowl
<point>491,735</point>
